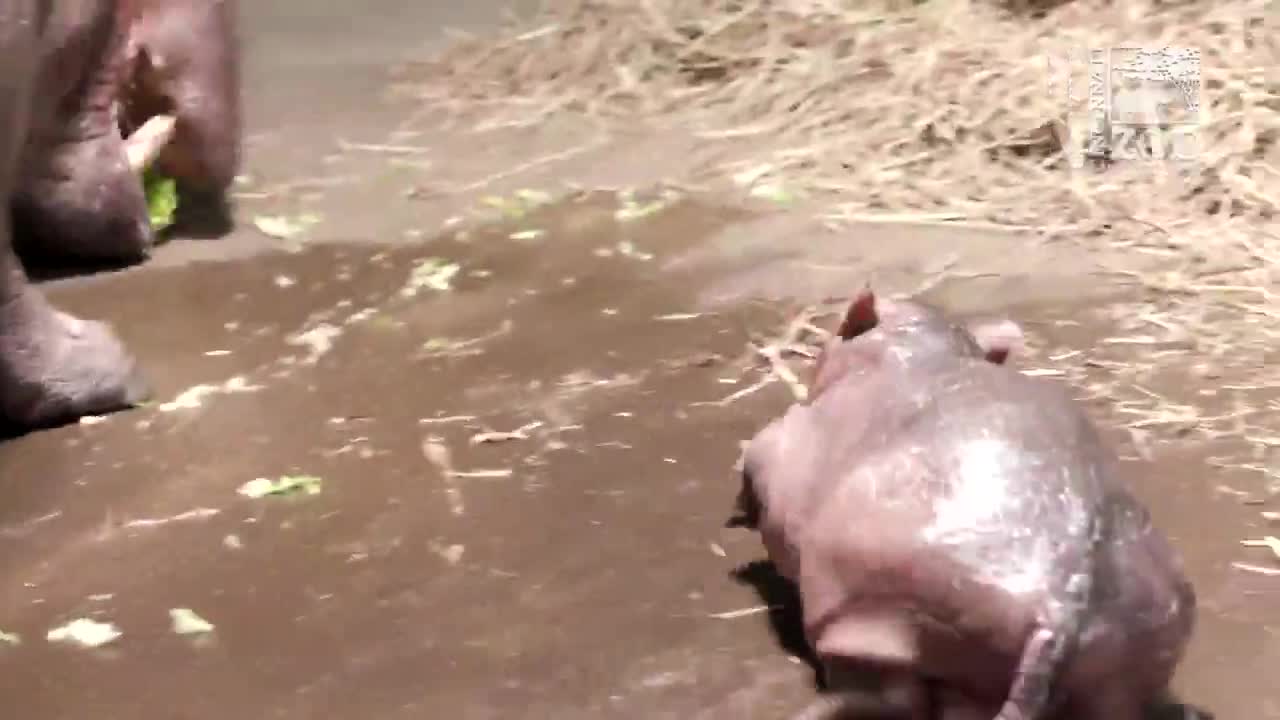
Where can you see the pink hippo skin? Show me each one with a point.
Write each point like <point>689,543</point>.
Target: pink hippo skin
<point>960,535</point>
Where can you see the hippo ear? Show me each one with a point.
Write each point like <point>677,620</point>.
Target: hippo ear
<point>998,339</point>
<point>862,315</point>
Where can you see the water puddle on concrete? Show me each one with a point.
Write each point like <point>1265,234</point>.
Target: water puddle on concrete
<point>524,482</point>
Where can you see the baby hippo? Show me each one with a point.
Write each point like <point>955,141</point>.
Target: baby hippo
<point>962,541</point>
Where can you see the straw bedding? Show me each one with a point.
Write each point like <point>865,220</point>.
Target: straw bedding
<point>945,110</point>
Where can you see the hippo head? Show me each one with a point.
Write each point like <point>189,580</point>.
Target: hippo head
<point>183,61</point>
<point>872,326</point>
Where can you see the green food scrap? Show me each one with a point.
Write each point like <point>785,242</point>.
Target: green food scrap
<point>162,198</point>
<point>434,273</point>
<point>533,198</point>
<point>282,227</point>
<point>520,205</point>
<point>285,485</point>
<point>528,235</point>
<point>626,248</point>
<point>84,632</point>
<point>749,176</point>
<point>187,622</point>
<point>631,209</point>
<point>496,202</point>
<point>634,211</point>
<point>439,344</point>
<point>382,322</point>
<point>509,209</point>
<point>773,192</point>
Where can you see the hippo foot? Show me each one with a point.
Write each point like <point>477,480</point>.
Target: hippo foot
<point>55,367</point>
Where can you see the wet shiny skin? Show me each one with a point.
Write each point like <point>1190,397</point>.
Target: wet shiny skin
<point>924,479</point>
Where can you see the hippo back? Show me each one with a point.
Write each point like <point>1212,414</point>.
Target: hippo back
<point>1002,472</point>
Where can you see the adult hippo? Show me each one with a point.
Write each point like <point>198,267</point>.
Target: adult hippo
<point>67,67</point>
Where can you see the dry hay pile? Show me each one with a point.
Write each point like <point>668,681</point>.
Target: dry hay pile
<point>945,109</point>
<point>957,108</point>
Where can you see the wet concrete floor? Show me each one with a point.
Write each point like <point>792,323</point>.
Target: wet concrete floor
<point>578,568</point>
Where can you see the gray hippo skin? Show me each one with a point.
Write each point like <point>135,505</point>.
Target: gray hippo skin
<point>74,196</point>
<point>75,73</point>
<point>959,534</point>
<point>53,366</point>
<point>183,59</point>
<point>110,65</point>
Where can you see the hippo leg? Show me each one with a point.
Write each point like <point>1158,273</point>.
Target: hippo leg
<point>872,693</point>
<point>1030,695</point>
<point>53,366</point>
<point>77,199</point>
<point>1046,652</point>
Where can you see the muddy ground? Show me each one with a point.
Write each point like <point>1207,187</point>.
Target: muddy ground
<point>576,568</point>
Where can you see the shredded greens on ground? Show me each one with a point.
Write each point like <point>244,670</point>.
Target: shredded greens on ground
<point>185,621</point>
<point>84,632</point>
<point>285,485</point>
